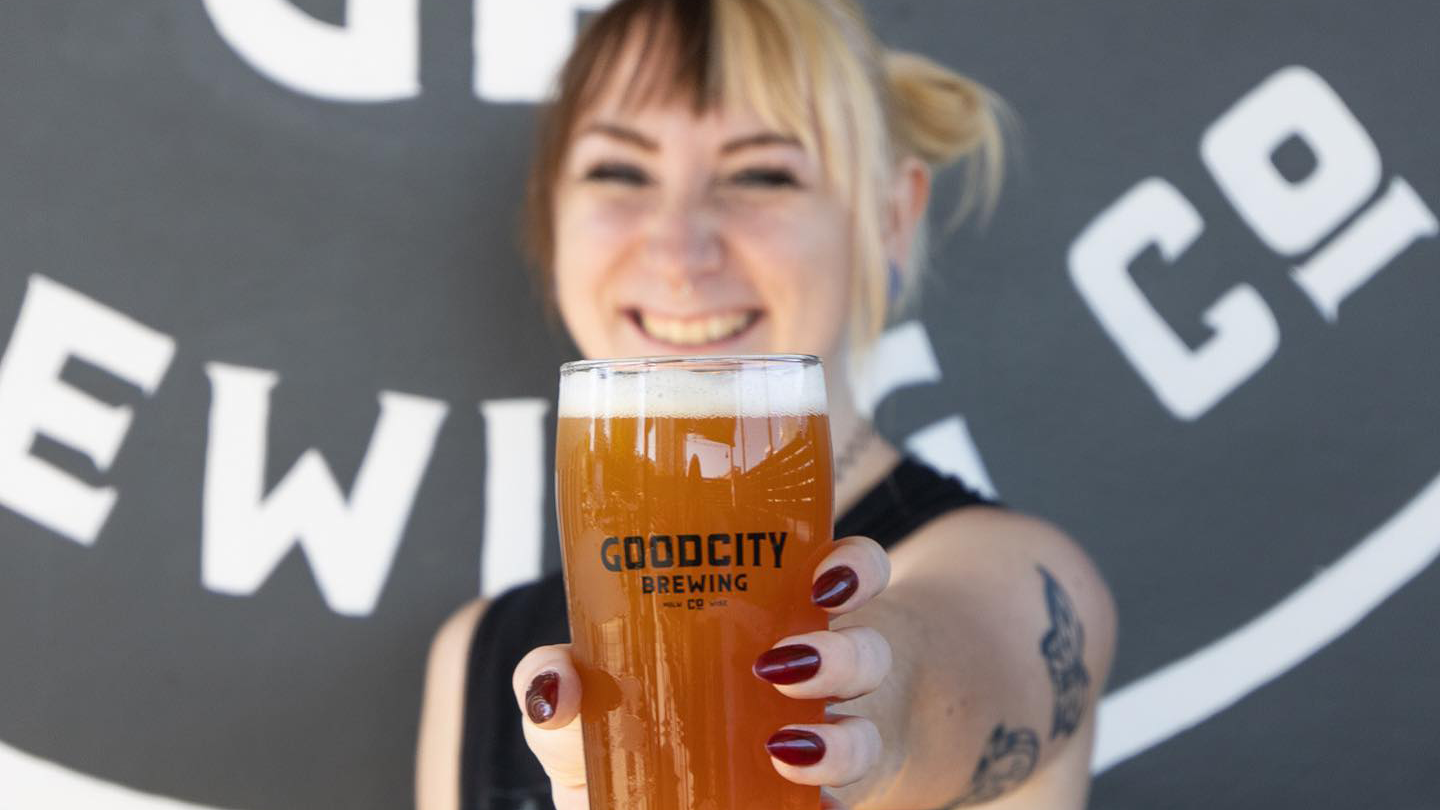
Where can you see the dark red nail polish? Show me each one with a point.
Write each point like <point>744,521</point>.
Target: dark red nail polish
<point>835,587</point>
<point>789,664</point>
<point>541,697</point>
<point>795,747</point>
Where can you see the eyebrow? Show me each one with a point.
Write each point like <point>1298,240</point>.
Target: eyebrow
<point>758,139</point>
<point>621,133</point>
<point>626,134</point>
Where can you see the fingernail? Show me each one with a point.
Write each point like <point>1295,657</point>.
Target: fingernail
<point>834,587</point>
<point>795,747</point>
<point>789,664</point>
<point>541,697</point>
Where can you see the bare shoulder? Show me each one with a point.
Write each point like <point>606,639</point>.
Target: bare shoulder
<point>445,670</point>
<point>442,713</point>
<point>984,551</point>
<point>981,535</point>
<point>452,640</point>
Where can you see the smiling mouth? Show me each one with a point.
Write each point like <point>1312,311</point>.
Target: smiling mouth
<point>692,332</point>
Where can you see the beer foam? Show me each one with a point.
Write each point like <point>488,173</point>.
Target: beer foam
<point>697,388</point>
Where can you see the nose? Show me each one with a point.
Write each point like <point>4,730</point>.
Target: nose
<point>683,245</point>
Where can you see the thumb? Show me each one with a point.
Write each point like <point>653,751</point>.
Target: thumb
<point>547,686</point>
<point>547,689</point>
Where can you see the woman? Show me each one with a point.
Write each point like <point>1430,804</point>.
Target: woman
<point>751,176</point>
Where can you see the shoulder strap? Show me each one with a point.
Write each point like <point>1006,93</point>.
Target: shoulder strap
<point>498,772</point>
<point>912,495</point>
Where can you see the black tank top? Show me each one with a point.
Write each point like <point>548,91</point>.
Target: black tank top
<point>498,772</point>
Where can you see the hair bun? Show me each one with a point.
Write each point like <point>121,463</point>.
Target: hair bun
<point>942,117</point>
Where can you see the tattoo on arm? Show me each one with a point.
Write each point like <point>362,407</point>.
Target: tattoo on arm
<point>1007,760</point>
<point>1064,650</point>
<point>1010,755</point>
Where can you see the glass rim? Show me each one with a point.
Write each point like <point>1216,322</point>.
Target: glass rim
<point>699,362</point>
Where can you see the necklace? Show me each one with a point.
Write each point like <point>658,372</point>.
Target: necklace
<point>853,449</point>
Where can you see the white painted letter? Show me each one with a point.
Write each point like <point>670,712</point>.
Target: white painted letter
<point>375,56</point>
<point>947,446</point>
<point>903,356</point>
<point>1294,103</point>
<point>350,543</point>
<point>899,358</point>
<point>1187,382</point>
<point>1376,237</point>
<point>520,46</point>
<point>514,493</point>
<point>56,324</point>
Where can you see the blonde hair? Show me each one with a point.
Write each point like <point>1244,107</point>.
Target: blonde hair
<point>810,68</point>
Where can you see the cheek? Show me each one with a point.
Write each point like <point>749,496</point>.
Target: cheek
<point>593,235</point>
<point>804,263</point>
<point>592,239</point>
<point>825,299</point>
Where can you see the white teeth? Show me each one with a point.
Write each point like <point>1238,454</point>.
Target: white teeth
<point>694,331</point>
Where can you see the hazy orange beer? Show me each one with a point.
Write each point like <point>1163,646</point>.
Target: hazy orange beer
<point>695,500</point>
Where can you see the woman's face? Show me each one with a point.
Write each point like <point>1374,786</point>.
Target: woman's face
<point>678,234</point>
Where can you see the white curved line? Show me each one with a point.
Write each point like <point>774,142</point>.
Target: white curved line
<point>28,782</point>
<point>1188,691</point>
<point>1132,719</point>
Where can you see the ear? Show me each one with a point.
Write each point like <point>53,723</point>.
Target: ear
<point>909,195</point>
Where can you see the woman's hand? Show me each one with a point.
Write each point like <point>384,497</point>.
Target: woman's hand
<point>832,664</point>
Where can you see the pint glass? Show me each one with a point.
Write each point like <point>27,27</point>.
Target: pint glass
<point>695,500</point>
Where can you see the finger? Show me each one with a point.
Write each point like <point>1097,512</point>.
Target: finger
<point>569,797</point>
<point>850,575</point>
<point>840,664</point>
<point>547,687</point>
<point>561,753</point>
<point>832,754</point>
<point>828,802</point>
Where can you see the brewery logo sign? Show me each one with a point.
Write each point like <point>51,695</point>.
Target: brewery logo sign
<point>300,543</point>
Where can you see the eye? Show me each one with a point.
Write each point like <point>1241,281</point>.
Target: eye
<point>623,173</point>
<point>765,177</point>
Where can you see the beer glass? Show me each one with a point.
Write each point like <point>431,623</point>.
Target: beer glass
<point>695,500</point>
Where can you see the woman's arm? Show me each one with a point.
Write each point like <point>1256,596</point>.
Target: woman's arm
<point>442,714</point>
<point>1003,634</point>
<point>991,696</point>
